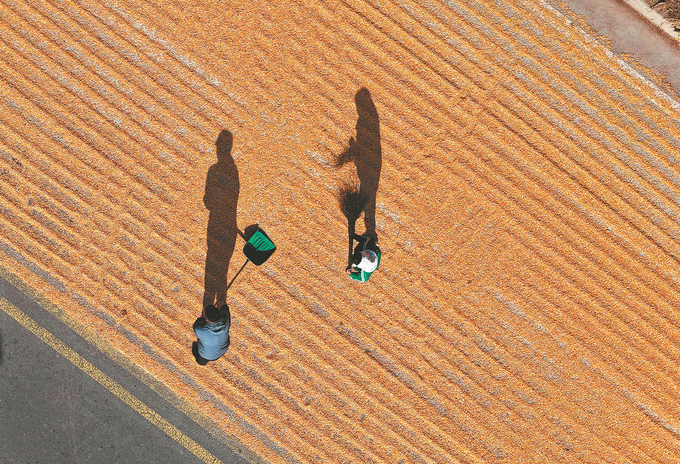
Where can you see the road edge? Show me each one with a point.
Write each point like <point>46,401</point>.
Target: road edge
<point>118,358</point>
<point>658,91</point>
<point>655,18</point>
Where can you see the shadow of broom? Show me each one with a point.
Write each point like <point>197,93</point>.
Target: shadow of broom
<point>352,203</point>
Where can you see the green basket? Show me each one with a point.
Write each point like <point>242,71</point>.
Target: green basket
<point>259,247</point>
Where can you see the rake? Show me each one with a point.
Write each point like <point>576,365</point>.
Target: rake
<point>257,249</point>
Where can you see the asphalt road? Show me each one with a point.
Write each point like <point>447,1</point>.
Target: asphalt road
<point>51,411</point>
<point>630,33</point>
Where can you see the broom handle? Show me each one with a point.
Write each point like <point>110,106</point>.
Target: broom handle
<point>350,231</point>
<point>232,280</point>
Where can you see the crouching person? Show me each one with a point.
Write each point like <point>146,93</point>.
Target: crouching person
<point>365,259</point>
<point>212,331</point>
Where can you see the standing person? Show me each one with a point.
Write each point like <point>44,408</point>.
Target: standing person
<point>212,331</point>
<point>365,259</point>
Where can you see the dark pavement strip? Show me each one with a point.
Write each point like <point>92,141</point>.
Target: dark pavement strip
<point>52,411</point>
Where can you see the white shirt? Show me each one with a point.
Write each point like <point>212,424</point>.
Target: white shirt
<point>369,261</point>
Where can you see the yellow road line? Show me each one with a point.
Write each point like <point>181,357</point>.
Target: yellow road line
<point>108,383</point>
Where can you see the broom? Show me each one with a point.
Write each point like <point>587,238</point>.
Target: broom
<point>352,203</point>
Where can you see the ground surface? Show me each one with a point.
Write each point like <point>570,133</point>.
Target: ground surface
<point>54,412</point>
<point>527,208</point>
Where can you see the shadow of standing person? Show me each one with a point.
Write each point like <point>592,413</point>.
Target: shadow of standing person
<point>366,153</point>
<point>221,199</point>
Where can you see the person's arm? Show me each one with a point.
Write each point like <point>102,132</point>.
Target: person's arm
<point>200,322</point>
<point>371,244</point>
<point>225,313</point>
<point>364,240</point>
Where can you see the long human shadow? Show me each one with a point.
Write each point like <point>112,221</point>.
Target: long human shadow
<point>221,199</point>
<point>366,153</point>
